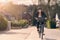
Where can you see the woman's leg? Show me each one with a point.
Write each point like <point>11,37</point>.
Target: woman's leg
<point>37,26</point>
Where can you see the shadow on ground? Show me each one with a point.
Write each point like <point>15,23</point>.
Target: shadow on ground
<point>49,39</point>
<point>12,33</point>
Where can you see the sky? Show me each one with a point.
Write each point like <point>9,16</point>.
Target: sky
<point>25,2</point>
<point>18,2</point>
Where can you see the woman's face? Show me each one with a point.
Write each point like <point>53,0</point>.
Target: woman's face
<point>39,10</point>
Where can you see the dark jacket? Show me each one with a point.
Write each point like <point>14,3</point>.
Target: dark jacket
<point>43,15</point>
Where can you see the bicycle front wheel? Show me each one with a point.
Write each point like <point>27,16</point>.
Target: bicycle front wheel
<point>41,36</point>
<point>42,32</point>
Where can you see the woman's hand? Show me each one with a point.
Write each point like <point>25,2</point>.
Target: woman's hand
<point>45,18</point>
<point>36,18</point>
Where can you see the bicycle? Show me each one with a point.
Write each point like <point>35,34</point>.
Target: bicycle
<point>41,31</point>
<point>41,26</point>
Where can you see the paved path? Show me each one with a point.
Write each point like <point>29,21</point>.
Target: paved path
<point>52,34</point>
<point>29,34</point>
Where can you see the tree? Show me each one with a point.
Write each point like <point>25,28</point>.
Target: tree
<point>15,10</point>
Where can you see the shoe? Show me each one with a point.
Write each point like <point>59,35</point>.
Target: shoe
<point>37,30</point>
<point>43,34</point>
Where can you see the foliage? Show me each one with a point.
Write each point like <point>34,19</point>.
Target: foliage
<point>20,23</point>
<point>3,23</point>
<point>51,23</point>
<point>48,23</point>
<point>23,23</point>
<point>15,23</point>
<point>15,10</point>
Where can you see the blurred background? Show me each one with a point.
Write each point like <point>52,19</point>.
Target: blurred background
<point>15,10</point>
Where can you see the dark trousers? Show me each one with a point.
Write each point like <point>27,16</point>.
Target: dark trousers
<point>37,25</point>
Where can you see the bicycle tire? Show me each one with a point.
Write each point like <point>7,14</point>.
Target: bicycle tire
<point>41,35</point>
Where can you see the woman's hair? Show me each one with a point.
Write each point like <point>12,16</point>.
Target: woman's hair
<point>39,8</point>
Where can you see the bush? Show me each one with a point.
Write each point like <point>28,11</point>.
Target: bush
<point>48,23</point>
<point>3,23</point>
<point>51,24</point>
<point>23,23</point>
<point>15,23</point>
<point>20,23</point>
